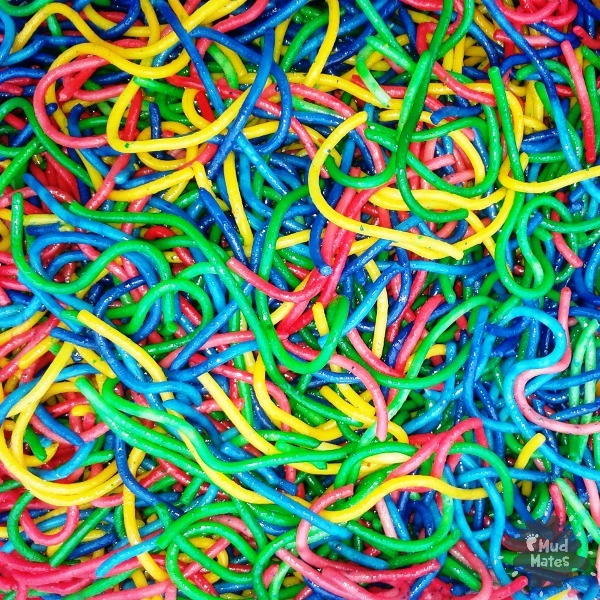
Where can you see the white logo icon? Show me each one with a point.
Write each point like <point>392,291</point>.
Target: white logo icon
<point>530,540</point>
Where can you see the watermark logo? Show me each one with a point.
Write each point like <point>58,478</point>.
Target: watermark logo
<point>547,553</point>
